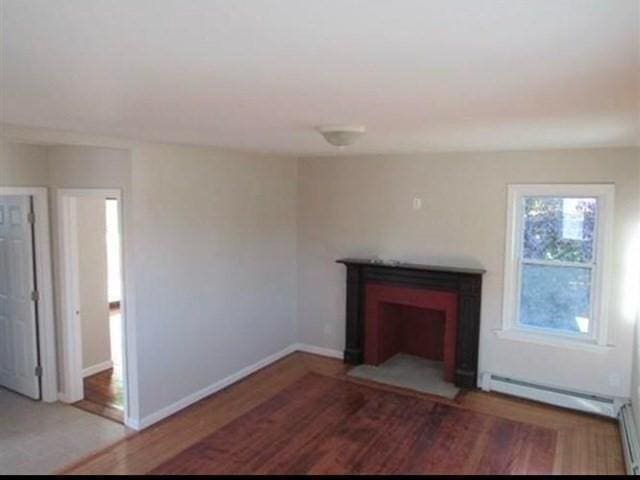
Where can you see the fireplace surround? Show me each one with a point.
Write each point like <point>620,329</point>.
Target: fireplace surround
<point>448,297</point>
<point>411,320</point>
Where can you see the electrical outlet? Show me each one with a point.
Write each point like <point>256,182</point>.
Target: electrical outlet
<point>328,330</point>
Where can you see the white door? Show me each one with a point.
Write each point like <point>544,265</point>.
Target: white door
<point>18,316</point>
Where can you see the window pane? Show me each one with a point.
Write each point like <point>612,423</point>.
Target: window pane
<point>556,297</point>
<point>559,228</point>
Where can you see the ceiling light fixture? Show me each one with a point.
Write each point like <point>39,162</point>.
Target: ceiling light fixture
<point>341,135</point>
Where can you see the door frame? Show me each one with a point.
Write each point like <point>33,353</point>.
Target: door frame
<point>73,389</point>
<point>43,264</point>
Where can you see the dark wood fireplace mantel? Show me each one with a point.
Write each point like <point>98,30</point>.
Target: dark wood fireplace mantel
<point>465,282</point>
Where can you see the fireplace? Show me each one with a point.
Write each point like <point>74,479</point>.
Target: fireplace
<point>426,311</point>
<point>417,321</point>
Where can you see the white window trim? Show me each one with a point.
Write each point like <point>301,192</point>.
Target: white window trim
<point>600,291</point>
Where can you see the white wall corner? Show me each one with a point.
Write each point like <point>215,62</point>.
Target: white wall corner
<point>62,397</point>
<point>139,424</point>
<point>133,423</point>
<point>325,352</point>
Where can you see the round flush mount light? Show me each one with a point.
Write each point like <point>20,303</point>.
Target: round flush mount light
<point>341,135</point>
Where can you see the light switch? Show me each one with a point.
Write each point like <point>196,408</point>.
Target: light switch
<point>417,203</point>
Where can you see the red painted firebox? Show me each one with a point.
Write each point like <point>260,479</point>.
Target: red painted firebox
<point>411,320</point>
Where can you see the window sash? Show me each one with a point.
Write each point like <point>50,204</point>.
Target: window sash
<point>600,264</point>
<point>594,240</point>
<point>522,260</point>
<point>558,263</point>
<point>591,330</point>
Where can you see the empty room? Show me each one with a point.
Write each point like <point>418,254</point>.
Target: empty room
<point>319,237</point>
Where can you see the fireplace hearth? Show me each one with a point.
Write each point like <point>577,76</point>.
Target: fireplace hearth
<point>426,311</point>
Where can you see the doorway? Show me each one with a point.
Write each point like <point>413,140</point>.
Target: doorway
<point>93,307</point>
<point>19,352</point>
<point>27,342</point>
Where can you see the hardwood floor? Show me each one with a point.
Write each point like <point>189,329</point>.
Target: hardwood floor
<point>510,434</point>
<point>103,395</point>
<point>323,425</point>
<point>104,391</point>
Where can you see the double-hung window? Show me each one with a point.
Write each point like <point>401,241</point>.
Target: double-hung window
<point>555,268</point>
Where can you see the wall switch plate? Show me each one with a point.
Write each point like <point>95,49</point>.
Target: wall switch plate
<point>417,203</point>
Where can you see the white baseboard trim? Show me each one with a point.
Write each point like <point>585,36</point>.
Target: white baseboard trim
<point>149,420</point>
<point>97,368</point>
<point>63,398</point>
<point>325,352</point>
<point>133,423</point>
<point>205,392</point>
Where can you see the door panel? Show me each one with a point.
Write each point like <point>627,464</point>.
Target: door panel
<point>18,315</point>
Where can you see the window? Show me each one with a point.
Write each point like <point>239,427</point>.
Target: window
<point>555,261</point>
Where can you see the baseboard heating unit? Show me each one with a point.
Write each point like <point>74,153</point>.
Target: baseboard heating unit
<point>597,404</point>
<point>629,436</point>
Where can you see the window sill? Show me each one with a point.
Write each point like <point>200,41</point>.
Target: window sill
<point>552,340</point>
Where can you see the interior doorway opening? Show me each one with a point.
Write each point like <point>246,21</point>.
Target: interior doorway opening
<point>94,306</point>
<point>100,283</point>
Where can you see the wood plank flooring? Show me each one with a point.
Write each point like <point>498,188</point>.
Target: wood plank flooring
<point>322,425</point>
<point>103,395</point>
<point>546,438</point>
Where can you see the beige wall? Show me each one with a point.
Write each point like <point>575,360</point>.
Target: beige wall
<point>75,166</point>
<point>92,281</point>
<point>214,260</point>
<point>233,255</point>
<point>362,207</point>
<point>210,242</point>
<point>23,165</point>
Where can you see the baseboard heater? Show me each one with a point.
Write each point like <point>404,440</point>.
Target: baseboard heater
<point>597,404</point>
<point>629,436</point>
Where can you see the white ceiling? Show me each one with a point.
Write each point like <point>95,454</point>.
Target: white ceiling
<point>260,74</point>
